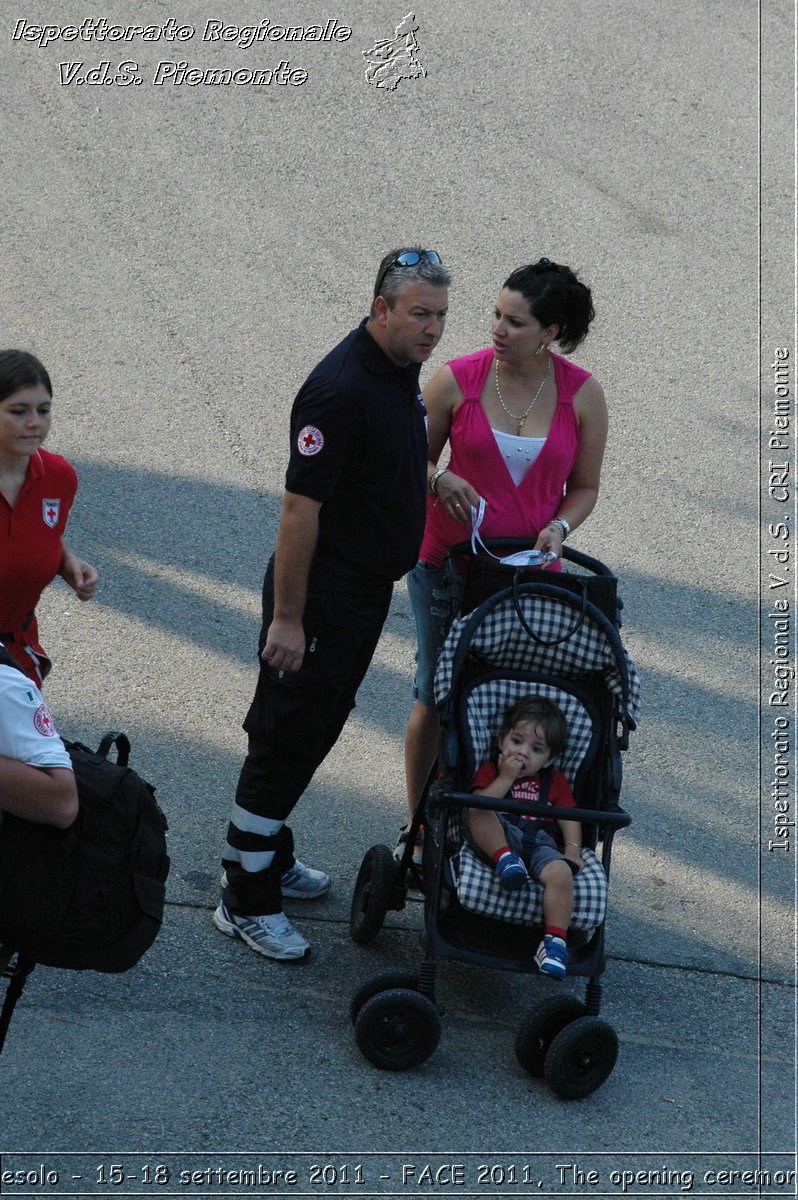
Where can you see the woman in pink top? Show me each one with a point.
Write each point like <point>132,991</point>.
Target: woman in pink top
<point>526,432</point>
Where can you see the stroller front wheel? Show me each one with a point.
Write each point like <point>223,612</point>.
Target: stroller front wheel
<point>398,1029</point>
<point>581,1057</point>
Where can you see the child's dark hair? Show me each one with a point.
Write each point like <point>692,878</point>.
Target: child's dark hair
<point>545,714</point>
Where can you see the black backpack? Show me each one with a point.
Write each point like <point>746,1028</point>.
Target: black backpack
<point>90,897</point>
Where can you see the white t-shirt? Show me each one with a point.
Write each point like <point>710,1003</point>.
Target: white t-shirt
<point>27,729</point>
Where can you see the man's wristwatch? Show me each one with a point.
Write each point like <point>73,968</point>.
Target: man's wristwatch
<point>565,528</point>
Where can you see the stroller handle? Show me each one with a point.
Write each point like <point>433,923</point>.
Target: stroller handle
<point>613,818</point>
<point>569,554</point>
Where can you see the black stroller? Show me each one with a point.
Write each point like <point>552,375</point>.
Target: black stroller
<point>548,637</point>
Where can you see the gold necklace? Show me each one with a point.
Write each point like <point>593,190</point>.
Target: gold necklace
<point>521,419</point>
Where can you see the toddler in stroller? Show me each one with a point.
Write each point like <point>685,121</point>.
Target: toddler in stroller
<point>538,637</point>
<point>533,733</point>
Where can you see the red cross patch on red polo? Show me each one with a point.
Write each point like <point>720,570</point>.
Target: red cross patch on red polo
<point>310,441</point>
<point>50,512</point>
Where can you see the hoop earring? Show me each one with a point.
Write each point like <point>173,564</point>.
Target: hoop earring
<point>540,349</point>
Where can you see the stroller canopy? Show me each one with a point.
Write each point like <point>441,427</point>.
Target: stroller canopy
<point>543,630</point>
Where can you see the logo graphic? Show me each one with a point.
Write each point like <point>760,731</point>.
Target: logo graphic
<point>310,441</point>
<point>393,59</point>
<point>43,721</point>
<point>527,790</point>
<point>50,512</point>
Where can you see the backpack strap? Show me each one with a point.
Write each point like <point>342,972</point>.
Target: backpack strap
<point>122,743</point>
<point>17,976</point>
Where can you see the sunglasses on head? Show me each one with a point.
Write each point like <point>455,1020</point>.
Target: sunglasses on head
<point>406,258</point>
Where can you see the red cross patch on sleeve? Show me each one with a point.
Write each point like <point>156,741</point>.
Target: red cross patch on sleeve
<point>310,441</point>
<point>43,721</point>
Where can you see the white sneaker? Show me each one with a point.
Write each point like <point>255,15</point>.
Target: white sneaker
<point>304,883</point>
<point>272,935</point>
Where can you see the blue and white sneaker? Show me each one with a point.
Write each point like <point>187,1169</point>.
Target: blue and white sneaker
<point>511,872</point>
<point>273,936</point>
<point>552,956</point>
<point>304,883</point>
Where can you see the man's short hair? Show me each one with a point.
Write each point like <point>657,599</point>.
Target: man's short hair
<point>392,275</point>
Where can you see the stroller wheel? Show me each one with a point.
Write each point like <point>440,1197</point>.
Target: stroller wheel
<point>398,1029</point>
<point>541,1026</point>
<point>372,894</point>
<point>395,977</point>
<point>581,1057</point>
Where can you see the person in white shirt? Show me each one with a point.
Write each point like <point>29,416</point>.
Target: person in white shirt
<point>36,778</point>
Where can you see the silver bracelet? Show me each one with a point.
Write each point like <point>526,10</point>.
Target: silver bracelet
<point>565,528</point>
<point>433,483</point>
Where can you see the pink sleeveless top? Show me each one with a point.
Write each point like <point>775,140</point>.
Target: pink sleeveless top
<point>511,511</point>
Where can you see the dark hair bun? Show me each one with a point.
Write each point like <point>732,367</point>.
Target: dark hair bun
<point>555,297</point>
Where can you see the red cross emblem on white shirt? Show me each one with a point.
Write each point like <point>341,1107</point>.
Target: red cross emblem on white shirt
<point>43,721</point>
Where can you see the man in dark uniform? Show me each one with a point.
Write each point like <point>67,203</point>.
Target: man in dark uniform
<point>351,524</point>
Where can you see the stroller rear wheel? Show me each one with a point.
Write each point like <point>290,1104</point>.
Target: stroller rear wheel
<point>372,895</point>
<point>395,977</point>
<point>581,1057</point>
<point>541,1026</point>
<point>398,1029</point>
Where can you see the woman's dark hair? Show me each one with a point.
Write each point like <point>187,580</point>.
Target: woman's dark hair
<point>555,297</point>
<point>20,369</point>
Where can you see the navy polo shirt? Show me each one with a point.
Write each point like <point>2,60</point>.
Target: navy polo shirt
<point>359,448</point>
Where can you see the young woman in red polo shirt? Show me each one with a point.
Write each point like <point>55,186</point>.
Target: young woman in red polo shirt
<point>37,489</point>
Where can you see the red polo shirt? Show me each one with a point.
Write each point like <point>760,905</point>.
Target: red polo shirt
<point>30,550</point>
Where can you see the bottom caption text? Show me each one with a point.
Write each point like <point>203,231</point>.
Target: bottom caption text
<point>82,1174</point>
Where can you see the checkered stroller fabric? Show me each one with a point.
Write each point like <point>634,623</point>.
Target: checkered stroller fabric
<point>492,640</point>
<point>493,633</point>
<point>478,890</point>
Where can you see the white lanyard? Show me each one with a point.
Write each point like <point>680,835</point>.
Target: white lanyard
<point>520,558</point>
